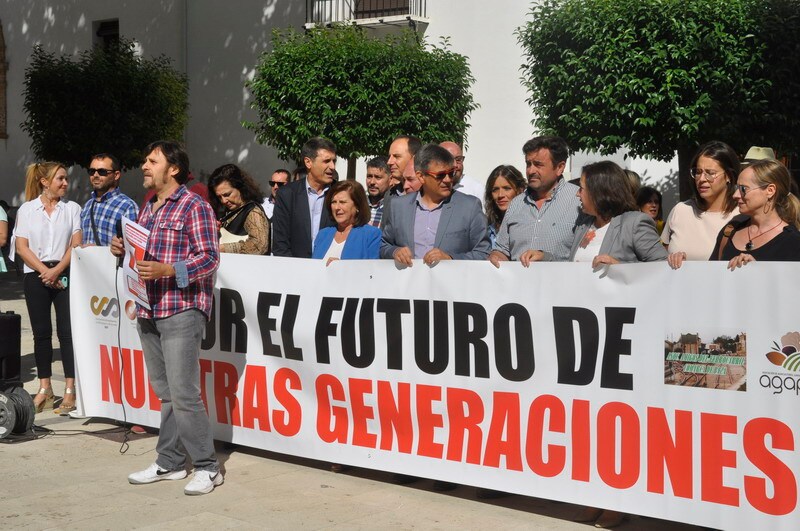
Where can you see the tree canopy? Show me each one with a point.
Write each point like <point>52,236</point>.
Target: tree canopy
<point>105,100</point>
<point>660,76</point>
<point>358,91</point>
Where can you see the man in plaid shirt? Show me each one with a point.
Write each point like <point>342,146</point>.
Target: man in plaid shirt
<point>108,204</point>
<point>181,258</point>
<point>378,184</point>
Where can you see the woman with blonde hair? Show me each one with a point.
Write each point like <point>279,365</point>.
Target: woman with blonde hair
<point>767,230</point>
<point>46,230</point>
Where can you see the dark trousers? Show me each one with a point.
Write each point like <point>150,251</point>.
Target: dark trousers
<point>39,298</point>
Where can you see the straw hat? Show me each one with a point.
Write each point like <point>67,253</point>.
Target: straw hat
<point>759,153</point>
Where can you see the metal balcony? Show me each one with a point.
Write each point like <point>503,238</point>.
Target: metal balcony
<point>366,12</point>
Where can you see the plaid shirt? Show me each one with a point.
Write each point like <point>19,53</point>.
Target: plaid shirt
<point>111,207</point>
<point>376,213</point>
<point>183,232</point>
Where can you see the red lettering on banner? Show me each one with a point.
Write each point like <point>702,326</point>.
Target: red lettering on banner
<point>226,382</point>
<point>714,458</point>
<point>135,386</point>
<point>784,483</point>
<point>672,453</point>
<point>429,421</point>
<point>534,452</point>
<point>129,370</point>
<point>581,440</point>
<point>628,443</point>
<point>109,375</point>
<point>361,412</point>
<point>465,413</point>
<point>255,403</point>
<point>505,419</point>
<point>287,422</point>
<point>395,416</point>
<point>329,388</point>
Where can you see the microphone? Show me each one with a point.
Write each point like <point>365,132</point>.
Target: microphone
<point>118,230</point>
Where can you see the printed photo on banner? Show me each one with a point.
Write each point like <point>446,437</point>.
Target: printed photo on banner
<point>711,360</point>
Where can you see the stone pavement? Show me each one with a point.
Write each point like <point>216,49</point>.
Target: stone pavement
<point>77,477</point>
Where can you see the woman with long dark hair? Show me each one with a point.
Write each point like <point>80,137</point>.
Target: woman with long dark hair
<point>236,199</point>
<point>505,182</point>
<point>692,226</point>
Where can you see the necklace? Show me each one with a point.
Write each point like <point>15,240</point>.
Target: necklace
<point>749,245</point>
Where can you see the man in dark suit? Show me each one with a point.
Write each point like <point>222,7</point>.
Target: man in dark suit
<point>299,206</point>
<point>435,223</point>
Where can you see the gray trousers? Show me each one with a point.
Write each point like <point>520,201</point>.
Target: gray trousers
<point>172,353</point>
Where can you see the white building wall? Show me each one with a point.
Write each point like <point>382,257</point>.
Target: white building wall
<point>65,27</point>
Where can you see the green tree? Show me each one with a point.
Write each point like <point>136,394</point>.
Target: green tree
<point>358,91</point>
<point>655,76</point>
<point>105,100</point>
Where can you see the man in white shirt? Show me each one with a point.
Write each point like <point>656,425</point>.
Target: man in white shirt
<point>279,178</point>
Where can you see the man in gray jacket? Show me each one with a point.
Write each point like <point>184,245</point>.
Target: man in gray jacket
<point>435,223</point>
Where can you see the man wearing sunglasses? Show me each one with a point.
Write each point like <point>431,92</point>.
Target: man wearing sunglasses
<point>434,223</point>
<point>279,178</point>
<point>107,204</point>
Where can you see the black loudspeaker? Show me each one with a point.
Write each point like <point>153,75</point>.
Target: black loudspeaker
<point>10,348</point>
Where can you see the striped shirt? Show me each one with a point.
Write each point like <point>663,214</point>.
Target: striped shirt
<point>550,229</point>
<point>183,233</point>
<point>110,208</point>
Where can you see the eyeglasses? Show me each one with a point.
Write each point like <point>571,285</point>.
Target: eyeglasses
<point>100,171</point>
<point>458,159</point>
<point>711,175</point>
<point>440,175</point>
<point>277,183</point>
<point>744,189</point>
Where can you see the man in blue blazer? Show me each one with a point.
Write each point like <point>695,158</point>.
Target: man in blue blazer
<point>435,223</point>
<point>299,206</point>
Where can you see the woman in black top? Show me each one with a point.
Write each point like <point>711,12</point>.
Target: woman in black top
<point>767,230</point>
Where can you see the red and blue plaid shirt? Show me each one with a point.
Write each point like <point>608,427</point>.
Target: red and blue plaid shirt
<point>183,233</point>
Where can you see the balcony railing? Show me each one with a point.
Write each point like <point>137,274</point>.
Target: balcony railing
<point>322,12</point>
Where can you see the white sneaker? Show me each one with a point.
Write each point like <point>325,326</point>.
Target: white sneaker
<point>203,482</point>
<point>155,473</point>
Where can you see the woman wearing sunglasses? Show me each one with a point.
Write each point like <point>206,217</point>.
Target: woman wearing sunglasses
<point>236,199</point>
<point>767,230</point>
<point>692,226</point>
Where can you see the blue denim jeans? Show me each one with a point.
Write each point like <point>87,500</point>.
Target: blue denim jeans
<point>172,353</point>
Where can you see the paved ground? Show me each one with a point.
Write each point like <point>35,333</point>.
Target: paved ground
<point>76,477</point>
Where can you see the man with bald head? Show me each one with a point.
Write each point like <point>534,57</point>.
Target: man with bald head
<point>462,183</point>
<point>401,162</point>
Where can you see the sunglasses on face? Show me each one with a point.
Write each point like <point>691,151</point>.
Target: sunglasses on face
<point>277,183</point>
<point>100,171</point>
<point>439,176</point>
<point>744,189</point>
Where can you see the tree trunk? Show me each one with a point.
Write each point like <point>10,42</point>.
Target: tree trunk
<point>351,168</point>
<point>685,154</point>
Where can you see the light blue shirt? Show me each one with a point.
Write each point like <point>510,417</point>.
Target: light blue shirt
<point>426,223</point>
<point>316,202</point>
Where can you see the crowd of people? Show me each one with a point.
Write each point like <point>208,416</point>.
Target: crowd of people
<point>417,205</point>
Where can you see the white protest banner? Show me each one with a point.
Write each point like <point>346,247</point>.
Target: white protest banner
<point>667,393</point>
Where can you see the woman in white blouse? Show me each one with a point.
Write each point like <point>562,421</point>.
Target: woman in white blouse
<point>690,232</point>
<point>46,230</point>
